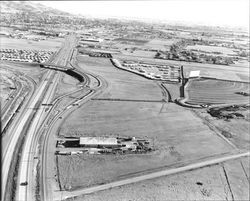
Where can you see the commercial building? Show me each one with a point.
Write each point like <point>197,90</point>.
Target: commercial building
<point>98,141</point>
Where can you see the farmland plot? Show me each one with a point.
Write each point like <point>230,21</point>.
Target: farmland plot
<point>164,124</point>
<point>209,183</point>
<point>49,44</point>
<point>209,91</point>
<point>122,84</point>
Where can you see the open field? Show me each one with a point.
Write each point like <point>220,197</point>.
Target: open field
<point>31,70</point>
<point>122,84</point>
<point>7,85</point>
<point>164,125</point>
<point>209,183</point>
<point>236,130</point>
<point>139,53</point>
<point>67,85</point>
<point>160,44</point>
<point>49,44</point>
<point>209,91</point>
<point>223,50</point>
<point>131,41</point>
<point>173,89</point>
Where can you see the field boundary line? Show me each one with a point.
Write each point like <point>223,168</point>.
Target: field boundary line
<point>130,100</point>
<point>215,130</point>
<point>67,194</point>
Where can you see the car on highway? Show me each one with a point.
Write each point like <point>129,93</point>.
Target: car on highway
<point>24,183</point>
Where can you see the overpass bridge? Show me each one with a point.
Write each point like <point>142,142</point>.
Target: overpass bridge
<point>56,67</point>
<point>70,70</point>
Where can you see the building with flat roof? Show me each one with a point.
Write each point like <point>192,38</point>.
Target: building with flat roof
<point>98,141</point>
<point>194,74</point>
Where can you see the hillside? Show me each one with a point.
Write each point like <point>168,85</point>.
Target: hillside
<point>12,7</point>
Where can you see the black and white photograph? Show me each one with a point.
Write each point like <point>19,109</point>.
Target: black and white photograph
<point>137,100</point>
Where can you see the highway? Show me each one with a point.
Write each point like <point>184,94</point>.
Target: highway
<point>16,131</point>
<point>26,165</point>
<point>48,184</point>
<point>11,105</point>
<point>43,92</point>
<point>6,106</point>
<point>25,86</point>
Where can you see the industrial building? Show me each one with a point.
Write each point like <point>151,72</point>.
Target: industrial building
<point>98,141</point>
<point>105,145</point>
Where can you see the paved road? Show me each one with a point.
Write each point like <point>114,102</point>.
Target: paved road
<point>28,161</point>
<point>16,131</point>
<point>25,88</point>
<point>26,170</point>
<point>67,194</point>
<point>48,184</point>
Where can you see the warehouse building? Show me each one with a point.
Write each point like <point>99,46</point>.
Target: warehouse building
<point>98,142</point>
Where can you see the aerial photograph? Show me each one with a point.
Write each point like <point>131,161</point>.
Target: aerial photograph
<point>125,100</point>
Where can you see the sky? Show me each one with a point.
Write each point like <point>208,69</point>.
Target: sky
<point>203,12</point>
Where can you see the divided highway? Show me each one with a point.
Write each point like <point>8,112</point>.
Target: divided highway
<point>48,184</point>
<point>16,131</point>
<point>26,175</point>
<point>31,117</point>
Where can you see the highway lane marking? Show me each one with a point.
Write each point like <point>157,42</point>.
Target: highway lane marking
<point>26,192</point>
<point>23,193</point>
<point>8,154</point>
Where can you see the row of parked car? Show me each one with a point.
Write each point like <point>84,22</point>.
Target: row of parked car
<point>37,56</point>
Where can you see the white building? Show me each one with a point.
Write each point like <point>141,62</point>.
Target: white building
<point>194,74</point>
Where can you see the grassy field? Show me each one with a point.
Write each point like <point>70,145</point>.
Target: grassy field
<point>67,85</point>
<point>173,89</point>
<point>160,44</point>
<point>139,53</point>
<point>5,83</point>
<point>131,41</point>
<point>31,70</point>
<point>49,44</point>
<point>208,91</point>
<point>225,51</point>
<point>164,124</point>
<point>236,130</point>
<point>122,84</point>
<point>208,183</point>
